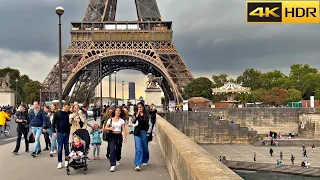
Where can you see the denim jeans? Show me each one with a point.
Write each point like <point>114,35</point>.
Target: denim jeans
<point>37,131</point>
<point>142,151</point>
<point>63,142</point>
<point>53,140</point>
<point>25,135</point>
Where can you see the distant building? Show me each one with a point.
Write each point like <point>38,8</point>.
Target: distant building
<point>132,90</point>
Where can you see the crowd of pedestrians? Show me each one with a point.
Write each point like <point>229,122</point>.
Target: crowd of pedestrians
<point>59,125</point>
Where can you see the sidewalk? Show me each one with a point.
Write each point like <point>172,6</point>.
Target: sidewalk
<point>43,167</point>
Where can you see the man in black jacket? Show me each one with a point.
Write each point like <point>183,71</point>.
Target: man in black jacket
<point>61,129</point>
<point>21,118</point>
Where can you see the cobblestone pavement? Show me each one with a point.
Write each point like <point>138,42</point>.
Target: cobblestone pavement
<point>245,153</point>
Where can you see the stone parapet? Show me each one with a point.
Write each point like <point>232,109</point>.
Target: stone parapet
<point>185,159</point>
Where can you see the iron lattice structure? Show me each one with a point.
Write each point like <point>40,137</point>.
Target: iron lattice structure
<point>145,45</point>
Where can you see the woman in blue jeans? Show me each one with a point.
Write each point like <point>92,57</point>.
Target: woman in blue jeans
<point>54,108</point>
<point>142,130</point>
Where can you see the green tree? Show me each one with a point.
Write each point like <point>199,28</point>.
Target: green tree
<point>32,91</point>
<point>250,78</point>
<point>303,78</point>
<point>275,96</point>
<point>200,87</point>
<point>257,95</point>
<point>293,95</point>
<point>273,79</point>
<point>317,94</point>
<point>219,80</point>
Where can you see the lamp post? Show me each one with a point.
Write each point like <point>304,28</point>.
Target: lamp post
<point>16,91</point>
<point>100,79</point>
<point>40,96</point>
<point>60,11</point>
<point>115,87</point>
<point>122,93</point>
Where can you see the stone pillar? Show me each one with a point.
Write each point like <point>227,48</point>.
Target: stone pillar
<point>7,96</point>
<point>153,95</point>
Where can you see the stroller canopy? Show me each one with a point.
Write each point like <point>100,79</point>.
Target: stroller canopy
<point>84,135</point>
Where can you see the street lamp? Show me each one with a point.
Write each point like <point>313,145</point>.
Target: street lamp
<point>115,87</point>
<point>60,11</point>
<point>40,96</point>
<point>122,93</point>
<point>16,91</point>
<point>100,79</point>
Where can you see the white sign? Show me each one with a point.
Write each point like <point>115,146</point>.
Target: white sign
<point>312,101</point>
<point>185,105</point>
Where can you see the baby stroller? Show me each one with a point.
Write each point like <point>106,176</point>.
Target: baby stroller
<point>82,162</point>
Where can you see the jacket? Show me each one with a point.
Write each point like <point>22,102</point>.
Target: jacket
<point>142,123</point>
<point>48,122</point>
<point>22,127</point>
<point>3,118</point>
<point>96,138</point>
<point>38,120</point>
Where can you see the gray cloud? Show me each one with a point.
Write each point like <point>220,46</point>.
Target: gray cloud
<point>211,35</point>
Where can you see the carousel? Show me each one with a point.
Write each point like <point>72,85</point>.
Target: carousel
<point>230,93</point>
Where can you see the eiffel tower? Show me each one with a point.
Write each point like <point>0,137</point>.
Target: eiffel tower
<point>144,45</point>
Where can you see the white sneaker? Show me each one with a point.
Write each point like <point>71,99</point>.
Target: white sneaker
<point>138,168</point>
<point>144,164</point>
<point>112,169</point>
<point>66,163</point>
<point>118,163</point>
<point>59,165</point>
<point>55,152</point>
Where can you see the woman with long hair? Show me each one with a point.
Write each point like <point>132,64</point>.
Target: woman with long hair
<point>142,130</point>
<point>119,135</point>
<point>76,119</point>
<point>53,109</point>
<point>107,116</point>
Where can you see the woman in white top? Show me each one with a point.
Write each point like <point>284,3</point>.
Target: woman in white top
<point>117,125</point>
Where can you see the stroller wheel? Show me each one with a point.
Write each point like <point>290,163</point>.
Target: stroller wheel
<point>85,172</point>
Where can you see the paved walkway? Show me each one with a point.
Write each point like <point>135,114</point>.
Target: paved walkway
<point>245,153</point>
<point>43,167</point>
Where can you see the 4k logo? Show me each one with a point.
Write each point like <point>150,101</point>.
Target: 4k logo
<point>264,12</point>
<point>261,13</point>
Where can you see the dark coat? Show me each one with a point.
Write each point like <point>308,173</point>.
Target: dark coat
<point>22,127</point>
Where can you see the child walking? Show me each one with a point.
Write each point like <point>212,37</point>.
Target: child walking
<point>96,141</point>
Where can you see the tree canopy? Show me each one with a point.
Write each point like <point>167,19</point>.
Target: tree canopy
<point>272,87</point>
<point>200,87</point>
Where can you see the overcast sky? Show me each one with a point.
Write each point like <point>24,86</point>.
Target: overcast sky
<point>211,35</point>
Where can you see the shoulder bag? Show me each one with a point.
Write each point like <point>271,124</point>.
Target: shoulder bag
<point>106,136</point>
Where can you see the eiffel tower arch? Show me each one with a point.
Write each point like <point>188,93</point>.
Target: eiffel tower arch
<point>144,45</point>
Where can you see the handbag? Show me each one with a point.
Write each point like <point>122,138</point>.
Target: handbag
<point>106,136</point>
<point>31,138</point>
